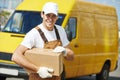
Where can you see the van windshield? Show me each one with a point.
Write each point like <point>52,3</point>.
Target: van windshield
<point>23,21</point>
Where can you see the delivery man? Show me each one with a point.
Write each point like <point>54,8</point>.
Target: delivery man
<point>45,35</point>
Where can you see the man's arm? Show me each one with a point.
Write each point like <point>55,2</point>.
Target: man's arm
<point>19,58</point>
<point>70,53</point>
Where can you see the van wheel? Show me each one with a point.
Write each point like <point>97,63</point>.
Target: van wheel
<point>63,76</point>
<point>104,74</point>
<point>2,78</point>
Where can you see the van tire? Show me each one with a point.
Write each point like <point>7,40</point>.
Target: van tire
<point>2,78</point>
<point>63,76</point>
<point>104,74</point>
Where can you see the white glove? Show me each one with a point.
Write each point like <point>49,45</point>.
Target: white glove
<point>44,72</point>
<point>60,49</point>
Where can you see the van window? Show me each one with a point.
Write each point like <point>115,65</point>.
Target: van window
<point>71,28</point>
<point>14,24</point>
<point>24,21</point>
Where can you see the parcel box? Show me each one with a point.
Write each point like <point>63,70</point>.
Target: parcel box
<point>47,58</point>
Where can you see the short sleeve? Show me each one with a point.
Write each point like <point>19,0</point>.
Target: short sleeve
<point>29,39</point>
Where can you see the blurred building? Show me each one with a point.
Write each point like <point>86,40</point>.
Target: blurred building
<point>9,5</point>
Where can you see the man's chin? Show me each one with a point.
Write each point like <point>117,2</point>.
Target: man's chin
<point>49,28</point>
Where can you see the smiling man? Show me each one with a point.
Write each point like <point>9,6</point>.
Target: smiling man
<point>43,36</point>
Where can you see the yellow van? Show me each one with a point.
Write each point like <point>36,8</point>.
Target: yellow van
<point>92,30</point>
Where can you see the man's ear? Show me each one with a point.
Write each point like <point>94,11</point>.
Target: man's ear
<point>42,13</point>
<point>57,17</point>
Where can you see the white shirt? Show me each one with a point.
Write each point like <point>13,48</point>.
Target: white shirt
<point>34,39</point>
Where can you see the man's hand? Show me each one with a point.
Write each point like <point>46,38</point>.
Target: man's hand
<point>44,72</point>
<point>60,49</point>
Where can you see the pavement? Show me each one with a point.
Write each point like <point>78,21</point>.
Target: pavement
<point>116,73</point>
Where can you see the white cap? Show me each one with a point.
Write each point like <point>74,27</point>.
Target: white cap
<point>50,7</point>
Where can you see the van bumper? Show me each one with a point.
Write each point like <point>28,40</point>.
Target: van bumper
<point>12,70</point>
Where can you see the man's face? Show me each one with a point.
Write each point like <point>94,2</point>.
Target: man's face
<point>49,20</point>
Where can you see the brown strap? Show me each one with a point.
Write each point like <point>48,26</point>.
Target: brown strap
<point>42,34</point>
<point>57,34</point>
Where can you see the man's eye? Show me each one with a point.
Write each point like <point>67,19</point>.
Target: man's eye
<point>54,16</point>
<point>51,16</point>
<point>48,15</point>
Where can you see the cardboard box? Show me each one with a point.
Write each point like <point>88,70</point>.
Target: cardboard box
<point>45,57</point>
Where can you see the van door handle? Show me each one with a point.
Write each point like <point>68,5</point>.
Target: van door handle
<point>13,35</point>
<point>76,46</point>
